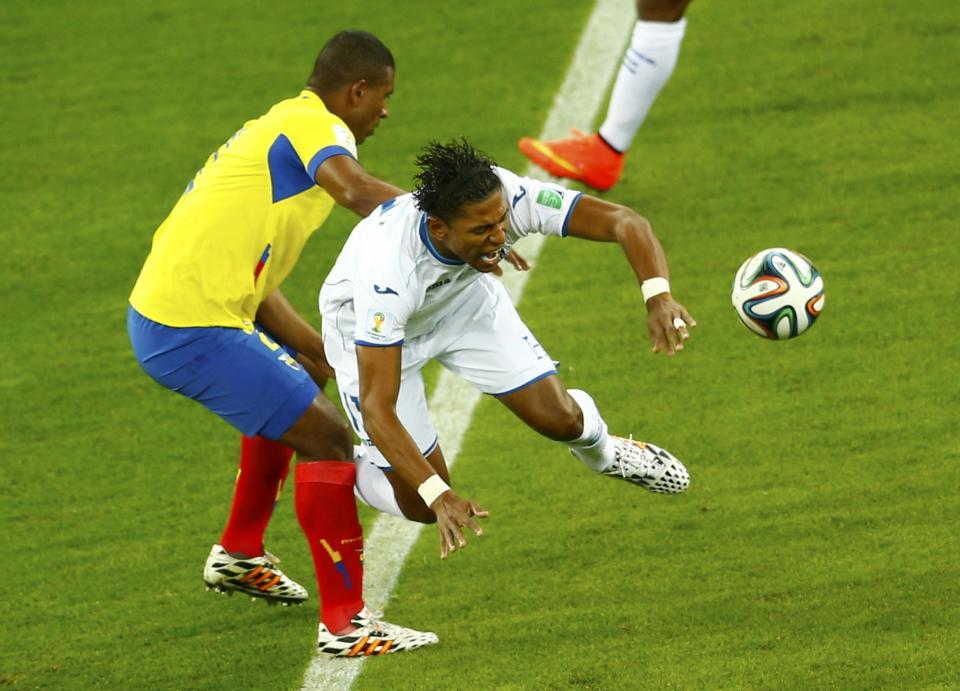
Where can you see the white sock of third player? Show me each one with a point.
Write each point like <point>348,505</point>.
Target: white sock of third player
<point>647,65</point>
<point>593,447</point>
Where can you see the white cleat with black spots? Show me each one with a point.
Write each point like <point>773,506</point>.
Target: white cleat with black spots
<point>372,637</point>
<point>647,465</point>
<point>257,577</point>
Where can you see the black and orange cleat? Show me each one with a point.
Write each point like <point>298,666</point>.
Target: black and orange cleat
<point>257,577</point>
<point>371,636</point>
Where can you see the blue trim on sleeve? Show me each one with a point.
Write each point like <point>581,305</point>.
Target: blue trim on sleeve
<point>523,386</point>
<point>287,176</point>
<point>566,221</point>
<point>378,345</point>
<point>425,236</point>
<point>322,155</point>
<point>431,447</point>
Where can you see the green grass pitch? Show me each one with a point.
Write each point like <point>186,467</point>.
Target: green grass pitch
<point>817,546</point>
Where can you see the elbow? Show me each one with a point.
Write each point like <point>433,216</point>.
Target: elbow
<point>626,221</point>
<point>359,198</point>
<point>351,198</point>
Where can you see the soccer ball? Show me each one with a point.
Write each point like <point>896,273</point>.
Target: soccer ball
<point>777,293</point>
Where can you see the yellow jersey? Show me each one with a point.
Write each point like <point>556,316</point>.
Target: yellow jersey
<point>239,227</point>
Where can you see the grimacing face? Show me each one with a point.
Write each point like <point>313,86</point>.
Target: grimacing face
<point>477,235</point>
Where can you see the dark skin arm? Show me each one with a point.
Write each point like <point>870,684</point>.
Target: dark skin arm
<point>280,319</point>
<point>352,187</point>
<point>596,219</point>
<point>379,389</point>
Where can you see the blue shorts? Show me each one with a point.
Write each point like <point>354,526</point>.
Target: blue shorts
<point>242,376</point>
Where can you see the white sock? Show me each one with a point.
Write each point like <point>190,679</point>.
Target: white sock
<point>592,447</point>
<point>647,65</point>
<point>374,489</point>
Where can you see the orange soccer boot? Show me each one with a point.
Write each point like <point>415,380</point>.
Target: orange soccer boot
<point>581,156</point>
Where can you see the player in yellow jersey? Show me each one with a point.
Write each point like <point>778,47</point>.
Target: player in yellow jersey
<point>207,315</point>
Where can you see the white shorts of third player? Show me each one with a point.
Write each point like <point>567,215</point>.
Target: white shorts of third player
<point>483,341</point>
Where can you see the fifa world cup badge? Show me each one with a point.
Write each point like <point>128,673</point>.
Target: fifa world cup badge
<point>378,324</point>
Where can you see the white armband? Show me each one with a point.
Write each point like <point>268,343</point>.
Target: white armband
<point>431,488</point>
<point>654,286</point>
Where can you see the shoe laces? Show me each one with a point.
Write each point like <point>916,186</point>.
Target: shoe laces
<point>372,619</point>
<point>623,448</point>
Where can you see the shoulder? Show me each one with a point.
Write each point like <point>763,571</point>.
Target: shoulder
<point>390,232</point>
<point>305,117</point>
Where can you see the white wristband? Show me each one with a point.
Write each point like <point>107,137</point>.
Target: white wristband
<point>654,286</point>
<point>431,488</point>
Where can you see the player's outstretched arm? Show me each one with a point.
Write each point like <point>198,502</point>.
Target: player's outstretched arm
<point>667,319</point>
<point>379,388</point>
<point>353,187</point>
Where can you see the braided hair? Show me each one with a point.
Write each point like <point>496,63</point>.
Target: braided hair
<point>451,176</point>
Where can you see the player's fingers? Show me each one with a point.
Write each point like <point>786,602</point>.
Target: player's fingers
<point>680,326</point>
<point>457,533</point>
<point>477,510</point>
<point>519,263</point>
<point>658,342</point>
<point>472,525</point>
<point>497,271</point>
<point>447,541</point>
<point>669,338</point>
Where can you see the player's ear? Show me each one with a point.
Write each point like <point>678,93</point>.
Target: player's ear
<point>357,90</point>
<point>438,229</point>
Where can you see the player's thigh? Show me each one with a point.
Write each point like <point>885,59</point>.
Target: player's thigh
<point>241,375</point>
<point>320,433</point>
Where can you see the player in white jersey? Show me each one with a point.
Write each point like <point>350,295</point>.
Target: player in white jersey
<point>412,283</point>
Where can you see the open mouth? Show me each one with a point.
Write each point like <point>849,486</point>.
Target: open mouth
<point>492,258</point>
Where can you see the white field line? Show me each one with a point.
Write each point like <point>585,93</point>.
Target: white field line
<point>452,404</point>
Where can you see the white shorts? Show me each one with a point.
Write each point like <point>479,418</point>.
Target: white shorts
<point>483,341</point>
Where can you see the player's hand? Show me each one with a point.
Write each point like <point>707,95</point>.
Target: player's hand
<point>319,374</point>
<point>668,322</point>
<point>453,515</point>
<point>518,262</point>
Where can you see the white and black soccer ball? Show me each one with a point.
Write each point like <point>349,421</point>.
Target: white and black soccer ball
<point>778,293</point>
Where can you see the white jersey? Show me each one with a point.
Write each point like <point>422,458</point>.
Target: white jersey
<point>390,284</point>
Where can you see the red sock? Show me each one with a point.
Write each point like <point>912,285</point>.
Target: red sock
<point>327,512</point>
<point>264,465</point>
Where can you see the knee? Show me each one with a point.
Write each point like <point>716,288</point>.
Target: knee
<point>341,440</point>
<point>321,434</point>
<point>419,514</point>
<point>414,509</point>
